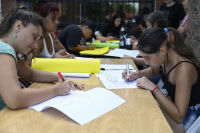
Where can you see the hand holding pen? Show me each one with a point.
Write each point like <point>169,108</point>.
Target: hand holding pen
<point>70,55</point>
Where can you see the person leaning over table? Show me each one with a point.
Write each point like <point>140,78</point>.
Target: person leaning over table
<point>135,31</point>
<point>19,32</point>
<point>72,35</point>
<point>155,19</point>
<point>180,74</point>
<point>48,46</point>
<point>111,30</point>
<point>143,27</point>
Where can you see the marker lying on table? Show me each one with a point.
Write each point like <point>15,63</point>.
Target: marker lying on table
<point>69,54</point>
<point>127,69</point>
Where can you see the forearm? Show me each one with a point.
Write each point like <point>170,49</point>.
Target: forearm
<point>30,96</point>
<point>79,48</point>
<point>99,37</point>
<point>169,107</point>
<point>139,61</point>
<point>43,76</point>
<point>62,52</point>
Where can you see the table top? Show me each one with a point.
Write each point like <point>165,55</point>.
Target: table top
<point>140,113</point>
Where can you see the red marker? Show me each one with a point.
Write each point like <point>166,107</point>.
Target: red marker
<point>60,75</point>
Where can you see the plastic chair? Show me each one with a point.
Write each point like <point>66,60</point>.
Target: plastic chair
<point>195,128</point>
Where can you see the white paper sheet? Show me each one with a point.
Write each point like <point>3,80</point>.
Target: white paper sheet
<point>113,80</point>
<point>82,75</point>
<point>114,66</point>
<point>82,58</point>
<point>81,106</point>
<point>121,52</point>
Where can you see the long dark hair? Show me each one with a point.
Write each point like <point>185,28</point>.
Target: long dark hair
<point>112,21</point>
<point>44,8</point>
<point>26,17</point>
<point>158,17</point>
<point>152,39</point>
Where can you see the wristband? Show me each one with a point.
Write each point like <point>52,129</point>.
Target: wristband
<point>154,89</point>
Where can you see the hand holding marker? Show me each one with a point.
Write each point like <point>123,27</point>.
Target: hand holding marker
<point>63,79</point>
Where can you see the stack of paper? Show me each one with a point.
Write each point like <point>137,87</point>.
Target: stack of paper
<point>114,67</point>
<point>81,106</point>
<point>121,52</point>
<point>82,75</point>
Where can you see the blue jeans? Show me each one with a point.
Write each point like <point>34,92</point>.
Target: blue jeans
<point>156,79</point>
<point>191,116</point>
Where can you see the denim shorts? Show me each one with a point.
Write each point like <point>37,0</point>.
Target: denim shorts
<point>191,116</point>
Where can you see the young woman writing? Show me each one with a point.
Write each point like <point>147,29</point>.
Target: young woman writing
<point>179,73</point>
<point>19,32</point>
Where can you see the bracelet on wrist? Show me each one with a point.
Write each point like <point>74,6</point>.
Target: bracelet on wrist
<point>154,89</point>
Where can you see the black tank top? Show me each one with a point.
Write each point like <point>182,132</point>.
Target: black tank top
<point>195,90</point>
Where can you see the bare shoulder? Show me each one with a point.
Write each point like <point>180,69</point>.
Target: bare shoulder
<point>187,71</point>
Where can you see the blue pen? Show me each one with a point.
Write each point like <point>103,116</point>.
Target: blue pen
<point>127,69</point>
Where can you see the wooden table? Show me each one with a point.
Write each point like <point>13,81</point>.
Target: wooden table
<point>140,113</point>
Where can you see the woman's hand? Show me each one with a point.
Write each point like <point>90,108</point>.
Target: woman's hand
<point>132,76</point>
<point>80,86</point>
<point>126,57</point>
<point>134,42</point>
<point>110,38</point>
<point>63,88</point>
<point>56,55</point>
<point>145,83</point>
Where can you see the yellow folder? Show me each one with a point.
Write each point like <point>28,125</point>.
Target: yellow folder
<point>67,65</point>
<point>96,51</point>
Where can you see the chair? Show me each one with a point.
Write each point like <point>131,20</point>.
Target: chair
<point>195,128</point>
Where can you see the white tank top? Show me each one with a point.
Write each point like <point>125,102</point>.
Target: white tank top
<point>45,52</point>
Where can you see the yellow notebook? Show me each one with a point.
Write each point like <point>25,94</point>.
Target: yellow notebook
<point>67,65</point>
<point>96,51</point>
<point>98,41</point>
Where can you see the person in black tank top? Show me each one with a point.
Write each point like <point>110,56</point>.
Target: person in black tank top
<point>179,73</point>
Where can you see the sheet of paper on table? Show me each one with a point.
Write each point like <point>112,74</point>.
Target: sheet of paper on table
<point>81,106</point>
<point>113,80</point>
<point>121,52</point>
<point>115,66</point>
<point>82,75</point>
<point>82,58</point>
